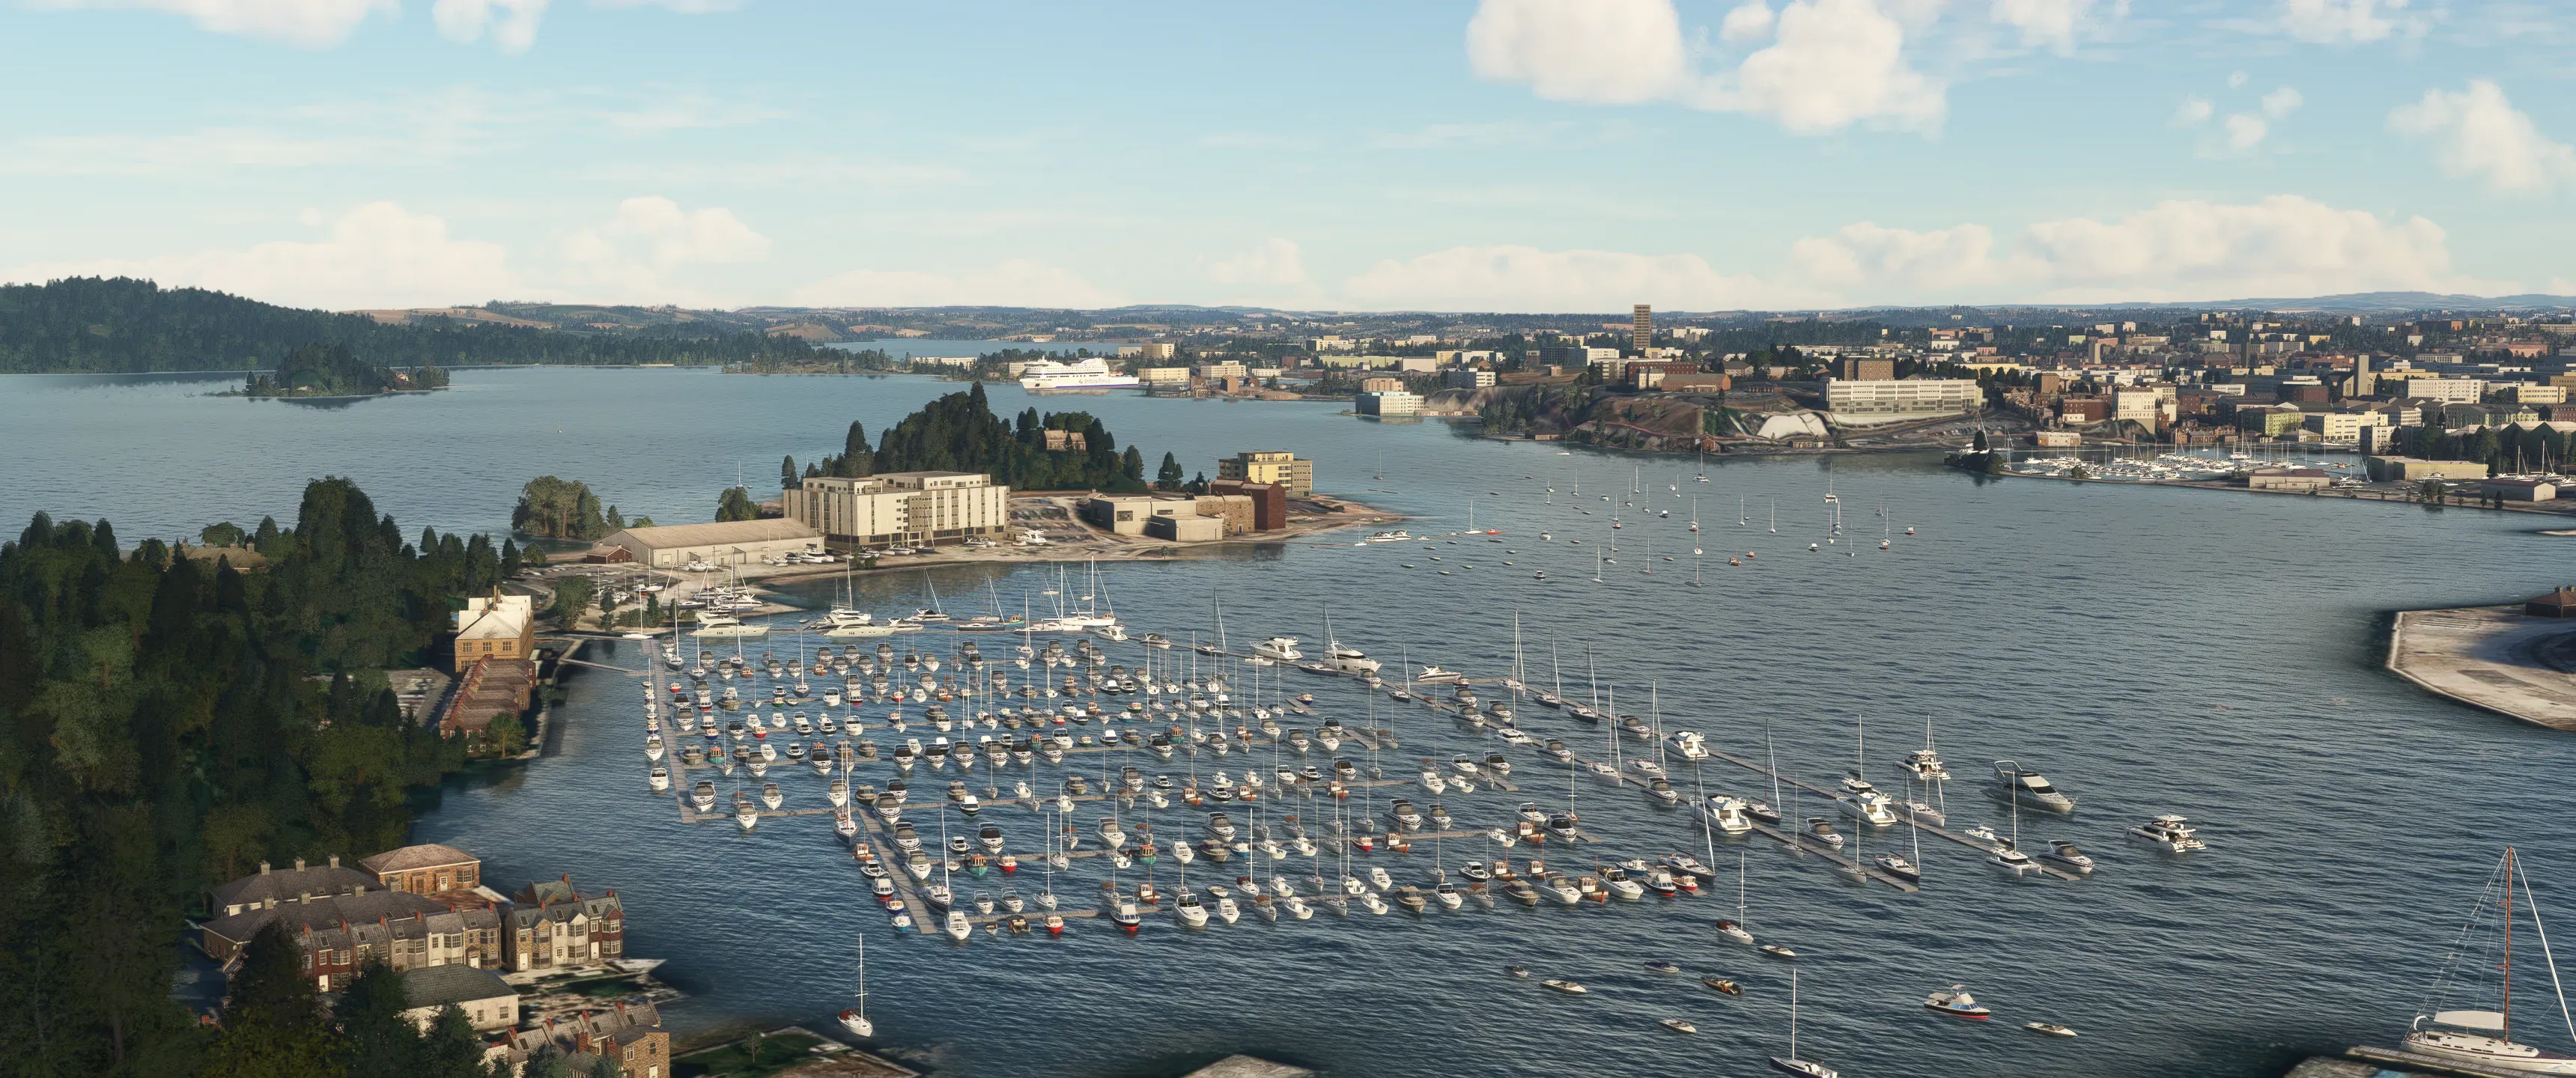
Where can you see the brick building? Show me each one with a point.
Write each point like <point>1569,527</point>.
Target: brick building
<point>426,869</point>
<point>1269,501</point>
<point>555,926</point>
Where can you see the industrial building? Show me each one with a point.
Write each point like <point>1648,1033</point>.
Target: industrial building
<point>911,509</point>
<point>738,542</point>
<point>1270,466</point>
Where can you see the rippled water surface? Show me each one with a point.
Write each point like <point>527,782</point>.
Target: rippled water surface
<point>2152,650</point>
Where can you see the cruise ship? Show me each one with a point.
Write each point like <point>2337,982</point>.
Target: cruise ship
<point>1092,373</point>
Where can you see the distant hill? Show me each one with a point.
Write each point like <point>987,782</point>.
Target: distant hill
<point>97,325</point>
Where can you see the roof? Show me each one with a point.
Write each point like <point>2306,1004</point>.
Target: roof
<point>2561,597</point>
<point>2522,484</point>
<point>439,986</point>
<point>770,530</point>
<point>289,884</point>
<point>323,913</point>
<point>409,858</point>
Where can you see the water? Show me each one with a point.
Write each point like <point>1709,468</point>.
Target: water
<point>2151,649</point>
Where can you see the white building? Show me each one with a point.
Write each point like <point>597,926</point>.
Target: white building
<point>738,542</point>
<point>2448,390</point>
<point>1468,378</point>
<point>901,508</point>
<point>1163,376</point>
<point>1386,402</point>
<point>1908,396</point>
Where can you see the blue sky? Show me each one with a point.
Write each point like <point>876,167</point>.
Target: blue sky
<point>1500,155</point>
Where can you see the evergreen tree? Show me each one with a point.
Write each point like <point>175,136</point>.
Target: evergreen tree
<point>736,504</point>
<point>376,1041</point>
<point>271,986</point>
<point>1132,465</point>
<point>1168,477</point>
<point>787,472</point>
<point>450,1049</point>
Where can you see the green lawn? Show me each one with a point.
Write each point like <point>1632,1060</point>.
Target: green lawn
<point>750,1057</point>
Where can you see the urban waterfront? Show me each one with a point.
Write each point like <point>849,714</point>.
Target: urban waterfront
<point>2152,650</point>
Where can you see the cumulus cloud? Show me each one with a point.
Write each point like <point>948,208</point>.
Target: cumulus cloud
<point>1827,64</point>
<point>1014,283</point>
<point>311,24</point>
<point>378,255</point>
<point>1277,262</point>
<point>2477,133</point>
<point>1514,278</point>
<point>2043,22</point>
<point>512,23</point>
<point>2282,102</point>
<point>1867,256</point>
<point>2193,112</point>
<point>2334,22</point>
<point>634,256</point>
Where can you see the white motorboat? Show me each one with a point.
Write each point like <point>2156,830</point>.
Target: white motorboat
<point>1186,907</point>
<point>1957,1003</point>
<point>1688,744</point>
<point>2063,854</point>
<point>2170,833</point>
<point>2027,789</point>
<point>1862,801</point>
<point>1279,649</point>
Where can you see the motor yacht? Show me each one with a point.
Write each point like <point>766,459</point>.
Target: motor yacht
<point>2029,789</point>
<point>1278,649</point>
<point>1957,1003</point>
<point>2063,854</point>
<point>2170,833</point>
<point>1724,815</point>
<point>1861,801</point>
<point>1821,832</point>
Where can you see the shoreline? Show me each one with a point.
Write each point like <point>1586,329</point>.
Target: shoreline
<point>2493,658</point>
<point>2357,495</point>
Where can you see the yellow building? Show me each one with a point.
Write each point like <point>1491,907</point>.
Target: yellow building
<point>904,508</point>
<point>1270,466</point>
<point>497,627</point>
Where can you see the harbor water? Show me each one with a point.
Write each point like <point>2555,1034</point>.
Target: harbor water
<point>2150,649</point>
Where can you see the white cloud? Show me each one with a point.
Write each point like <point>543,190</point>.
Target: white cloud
<point>2285,245</point>
<point>2478,133</point>
<point>2043,22</point>
<point>1014,283</point>
<point>683,7</point>
<point>311,24</point>
<point>1746,22</point>
<point>513,23</point>
<point>633,257</point>
<point>2245,132</point>
<point>1512,278</point>
<point>1619,52</point>
<point>2331,22</point>
<point>2236,80</point>
<point>378,255</point>
<point>2193,112</point>
<point>1277,262</point>
<point>2175,251</point>
<point>1829,63</point>
<point>2282,102</point>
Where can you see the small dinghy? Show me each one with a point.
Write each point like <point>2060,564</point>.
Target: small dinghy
<point>1678,1026</point>
<point>2050,1029</point>
<point>1661,966</point>
<point>1723,985</point>
<point>1571,988</point>
<point>1782,953</point>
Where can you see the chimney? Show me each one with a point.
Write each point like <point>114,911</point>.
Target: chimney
<point>263,868</point>
<point>335,860</point>
<point>299,864</point>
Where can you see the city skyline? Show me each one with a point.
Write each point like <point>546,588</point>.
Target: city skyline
<point>1509,155</point>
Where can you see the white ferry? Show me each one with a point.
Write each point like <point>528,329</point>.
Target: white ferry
<point>1390,537</point>
<point>1091,373</point>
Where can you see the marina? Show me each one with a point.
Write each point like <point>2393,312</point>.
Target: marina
<point>1967,622</point>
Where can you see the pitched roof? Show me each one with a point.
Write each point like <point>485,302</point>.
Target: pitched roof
<point>438,986</point>
<point>318,914</point>
<point>289,884</point>
<point>737,531</point>
<point>408,858</point>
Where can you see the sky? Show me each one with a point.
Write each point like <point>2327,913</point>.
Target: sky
<point>1479,155</point>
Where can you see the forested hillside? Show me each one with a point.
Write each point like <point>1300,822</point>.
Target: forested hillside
<point>90,324</point>
<point>170,724</point>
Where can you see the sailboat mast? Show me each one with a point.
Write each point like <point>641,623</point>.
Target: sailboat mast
<point>2546,959</point>
<point>2508,943</point>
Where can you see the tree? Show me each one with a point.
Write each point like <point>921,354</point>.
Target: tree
<point>271,984</point>
<point>787,472</point>
<point>507,735</point>
<point>1132,465</point>
<point>559,509</point>
<point>1199,485</point>
<point>572,597</point>
<point>736,504</point>
<point>1168,477</point>
<point>510,564</point>
<point>451,1049</point>
<point>376,1041</point>
<point>224,534</point>
<point>1980,445</point>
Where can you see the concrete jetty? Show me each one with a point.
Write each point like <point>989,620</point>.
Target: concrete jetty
<point>2495,658</point>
